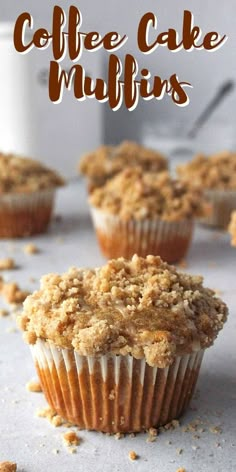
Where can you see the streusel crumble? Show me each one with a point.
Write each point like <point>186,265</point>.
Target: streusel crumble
<point>142,307</point>
<point>214,172</point>
<point>134,194</point>
<point>22,175</point>
<point>108,160</point>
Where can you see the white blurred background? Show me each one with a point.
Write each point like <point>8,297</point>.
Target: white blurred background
<point>60,133</point>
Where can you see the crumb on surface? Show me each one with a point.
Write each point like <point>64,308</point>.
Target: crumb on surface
<point>181,469</point>
<point>4,313</point>
<point>119,435</point>
<point>8,466</point>
<point>71,438</point>
<point>7,264</point>
<point>31,249</point>
<point>12,293</point>
<point>133,455</point>
<point>179,451</point>
<point>45,413</point>
<point>33,386</point>
<point>215,429</point>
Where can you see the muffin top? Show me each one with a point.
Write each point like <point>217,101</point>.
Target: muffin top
<point>22,175</point>
<point>232,228</point>
<point>214,172</point>
<point>143,307</point>
<point>108,160</point>
<point>134,194</point>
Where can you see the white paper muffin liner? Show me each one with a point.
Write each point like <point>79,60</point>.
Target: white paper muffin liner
<point>223,202</point>
<point>25,214</point>
<point>114,393</point>
<point>117,238</point>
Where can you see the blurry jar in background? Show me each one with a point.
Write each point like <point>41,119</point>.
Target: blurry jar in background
<point>16,113</point>
<point>171,138</point>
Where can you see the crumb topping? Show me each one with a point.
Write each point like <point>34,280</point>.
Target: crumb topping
<point>142,307</point>
<point>134,194</point>
<point>214,172</point>
<point>21,175</point>
<point>232,228</point>
<point>107,161</point>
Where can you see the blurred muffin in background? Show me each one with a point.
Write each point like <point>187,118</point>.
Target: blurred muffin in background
<point>216,175</point>
<point>106,161</point>
<point>27,190</point>
<point>143,213</point>
<point>232,228</point>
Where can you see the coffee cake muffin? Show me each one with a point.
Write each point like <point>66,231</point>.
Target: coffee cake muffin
<point>217,176</point>
<point>106,161</point>
<point>232,228</point>
<point>145,213</point>
<point>27,191</point>
<point>119,348</point>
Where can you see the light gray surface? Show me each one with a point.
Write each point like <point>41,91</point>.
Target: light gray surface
<point>29,440</point>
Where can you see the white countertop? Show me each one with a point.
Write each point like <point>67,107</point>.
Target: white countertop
<point>30,441</point>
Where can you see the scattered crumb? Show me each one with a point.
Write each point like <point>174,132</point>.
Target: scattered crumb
<point>170,426</point>
<point>133,456</point>
<point>119,436</point>
<point>7,264</point>
<point>71,438</point>
<point>46,413</point>
<point>132,435</point>
<point>215,430</point>
<point>12,292</point>
<point>152,435</point>
<point>179,451</point>
<point>57,421</point>
<point>194,448</point>
<point>181,470</point>
<point>31,249</point>
<point>55,451</point>
<point>4,313</point>
<point>33,386</point>
<point>72,450</point>
<point>51,415</point>
<point>8,466</point>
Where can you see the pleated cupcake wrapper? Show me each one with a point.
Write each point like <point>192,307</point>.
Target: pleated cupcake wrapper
<point>223,202</point>
<point>169,239</point>
<point>114,393</point>
<point>25,214</point>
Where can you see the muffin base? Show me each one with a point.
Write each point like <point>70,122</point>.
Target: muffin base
<point>117,238</point>
<point>223,203</point>
<point>23,215</point>
<point>114,393</point>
